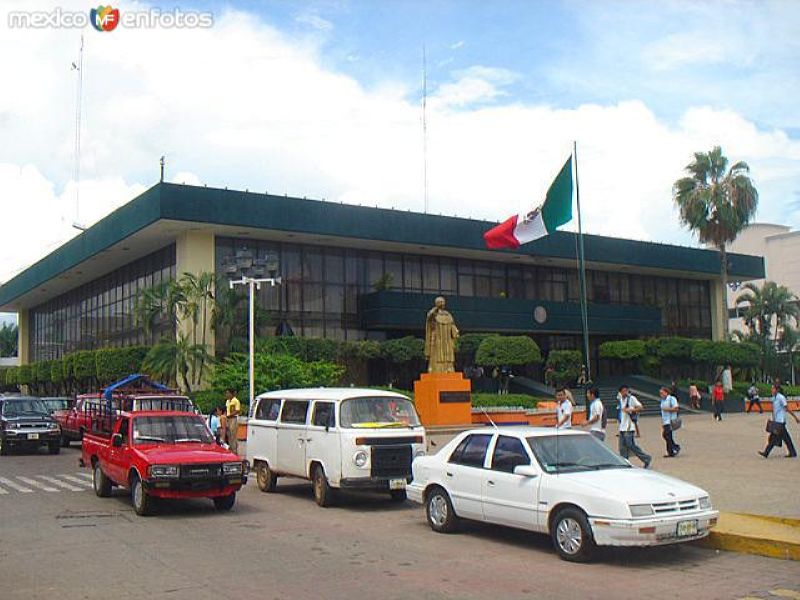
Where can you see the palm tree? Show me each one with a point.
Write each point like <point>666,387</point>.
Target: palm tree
<point>8,339</point>
<point>173,359</point>
<point>769,306</point>
<point>716,204</point>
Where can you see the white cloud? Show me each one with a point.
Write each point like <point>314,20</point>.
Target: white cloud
<point>457,45</point>
<point>315,21</point>
<point>244,105</point>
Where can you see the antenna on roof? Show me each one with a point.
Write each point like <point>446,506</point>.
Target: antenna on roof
<point>161,162</point>
<point>425,127</point>
<point>488,417</point>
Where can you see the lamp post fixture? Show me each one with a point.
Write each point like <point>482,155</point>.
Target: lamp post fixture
<point>244,262</point>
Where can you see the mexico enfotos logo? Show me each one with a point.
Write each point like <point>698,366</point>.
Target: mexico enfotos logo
<point>107,18</point>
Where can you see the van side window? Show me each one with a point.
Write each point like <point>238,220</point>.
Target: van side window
<point>268,409</point>
<point>323,415</point>
<point>471,452</point>
<point>294,411</point>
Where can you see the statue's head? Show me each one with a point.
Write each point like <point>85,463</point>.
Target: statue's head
<point>439,302</point>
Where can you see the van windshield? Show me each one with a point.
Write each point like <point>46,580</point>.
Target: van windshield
<point>378,412</point>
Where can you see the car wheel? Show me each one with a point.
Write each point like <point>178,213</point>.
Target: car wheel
<point>323,492</point>
<point>439,510</point>
<point>142,503</point>
<point>54,447</point>
<point>3,446</point>
<point>398,495</point>
<point>266,478</point>
<point>100,483</point>
<point>224,503</point>
<point>572,535</point>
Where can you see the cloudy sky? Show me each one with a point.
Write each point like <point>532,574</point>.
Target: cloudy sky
<point>322,99</point>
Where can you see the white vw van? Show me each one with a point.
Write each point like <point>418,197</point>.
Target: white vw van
<point>345,438</point>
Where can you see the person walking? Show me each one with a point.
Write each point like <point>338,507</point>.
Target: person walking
<point>753,398</point>
<point>630,407</point>
<point>727,379</point>
<point>780,433</point>
<point>563,410</point>
<point>214,423</point>
<point>669,413</point>
<point>232,410</point>
<point>718,399</point>
<point>597,414</point>
<point>694,396</point>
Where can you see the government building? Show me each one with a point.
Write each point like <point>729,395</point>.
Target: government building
<point>352,272</point>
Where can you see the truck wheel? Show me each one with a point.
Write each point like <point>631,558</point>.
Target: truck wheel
<point>142,503</point>
<point>439,510</point>
<point>323,492</point>
<point>266,478</point>
<point>225,503</point>
<point>398,495</point>
<point>100,483</point>
<point>572,535</point>
<point>54,447</point>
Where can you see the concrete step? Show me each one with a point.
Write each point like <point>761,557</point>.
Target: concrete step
<point>775,537</point>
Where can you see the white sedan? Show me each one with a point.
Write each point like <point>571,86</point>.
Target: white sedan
<point>566,484</point>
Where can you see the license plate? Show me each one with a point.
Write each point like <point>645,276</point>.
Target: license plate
<point>687,528</point>
<point>33,436</point>
<point>397,484</point>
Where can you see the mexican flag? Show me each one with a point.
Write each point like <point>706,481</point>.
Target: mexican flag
<point>526,227</point>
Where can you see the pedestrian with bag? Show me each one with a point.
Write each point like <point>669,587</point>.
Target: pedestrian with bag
<point>753,398</point>
<point>669,420</point>
<point>718,399</point>
<point>630,407</point>
<point>597,414</point>
<point>776,427</point>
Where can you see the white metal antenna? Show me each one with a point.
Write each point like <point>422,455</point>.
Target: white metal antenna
<point>488,417</point>
<point>425,127</point>
<point>78,113</point>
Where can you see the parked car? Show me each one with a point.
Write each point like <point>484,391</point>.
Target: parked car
<point>26,423</point>
<point>357,439</point>
<point>56,403</point>
<point>161,454</point>
<point>568,485</point>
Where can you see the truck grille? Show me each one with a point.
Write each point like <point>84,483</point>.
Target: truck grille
<point>194,472</point>
<point>677,507</point>
<point>391,461</point>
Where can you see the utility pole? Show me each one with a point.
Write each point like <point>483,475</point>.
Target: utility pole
<point>161,162</point>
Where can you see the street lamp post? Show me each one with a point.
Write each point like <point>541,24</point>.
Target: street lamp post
<point>253,284</point>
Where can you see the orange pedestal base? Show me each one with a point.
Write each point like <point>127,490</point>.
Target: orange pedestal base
<point>443,399</point>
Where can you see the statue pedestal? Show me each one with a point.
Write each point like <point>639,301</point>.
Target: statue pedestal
<point>443,399</point>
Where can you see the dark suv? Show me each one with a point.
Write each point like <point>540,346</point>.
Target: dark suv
<point>26,423</point>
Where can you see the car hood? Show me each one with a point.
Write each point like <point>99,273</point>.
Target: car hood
<point>30,420</point>
<point>186,454</point>
<point>635,486</point>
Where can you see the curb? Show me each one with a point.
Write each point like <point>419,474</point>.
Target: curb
<point>773,537</point>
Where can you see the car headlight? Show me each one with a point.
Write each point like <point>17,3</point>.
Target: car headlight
<point>641,510</point>
<point>164,471</point>
<point>234,468</point>
<point>705,502</point>
<point>360,458</point>
<point>420,452</point>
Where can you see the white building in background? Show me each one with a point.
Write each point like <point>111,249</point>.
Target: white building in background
<point>780,248</point>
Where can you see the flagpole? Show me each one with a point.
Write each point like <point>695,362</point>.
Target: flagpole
<point>582,269</point>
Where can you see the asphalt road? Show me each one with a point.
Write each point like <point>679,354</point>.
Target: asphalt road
<point>57,539</point>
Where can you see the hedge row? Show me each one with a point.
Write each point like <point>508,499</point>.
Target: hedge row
<point>686,350</point>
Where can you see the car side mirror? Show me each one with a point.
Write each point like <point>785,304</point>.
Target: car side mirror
<point>526,471</point>
<point>116,440</point>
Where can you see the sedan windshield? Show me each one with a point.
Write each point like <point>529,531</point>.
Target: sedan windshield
<point>378,412</point>
<point>573,453</point>
<point>24,407</point>
<point>171,430</point>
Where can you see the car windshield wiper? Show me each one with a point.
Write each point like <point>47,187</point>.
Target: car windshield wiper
<point>182,440</point>
<point>149,438</point>
<point>599,466</point>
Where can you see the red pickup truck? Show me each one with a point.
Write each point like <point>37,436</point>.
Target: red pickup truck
<point>161,454</point>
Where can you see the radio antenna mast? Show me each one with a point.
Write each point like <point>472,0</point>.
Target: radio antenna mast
<point>425,127</point>
<point>78,113</point>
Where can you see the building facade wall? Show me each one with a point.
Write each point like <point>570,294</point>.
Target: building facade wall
<point>194,254</point>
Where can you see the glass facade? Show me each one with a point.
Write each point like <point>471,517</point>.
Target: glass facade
<point>321,285</point>
<point>99,314</point>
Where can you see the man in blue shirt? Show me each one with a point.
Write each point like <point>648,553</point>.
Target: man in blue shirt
<point>779,409</point>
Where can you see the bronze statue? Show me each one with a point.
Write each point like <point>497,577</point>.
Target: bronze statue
<point>440,338</point>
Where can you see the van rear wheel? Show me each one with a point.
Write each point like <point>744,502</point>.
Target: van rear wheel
<point>266,478</point>
<point>323,492</point>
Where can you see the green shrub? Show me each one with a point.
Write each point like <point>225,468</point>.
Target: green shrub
<point>496,350</point>
<point>623,350</point>
<point>25,375</point>
<point>403,350</point>
<point>112,364</point>
<point>722,353</point>
<point>510,400</point>
<point>68,366</point>
<point>361,349</point>
<point>566,365</point>
<point>84,366</point>
<point>674,347</point>
<point>467,345</point>
<point>205,400</point>
<point>12,376</point>
<point>57,371</point>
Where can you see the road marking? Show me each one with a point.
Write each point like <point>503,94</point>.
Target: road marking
<point>2,492</point>
<point>58,482</point>
<point>78,480</point>
<point>785,594</point>
<point>15,486</point>
<point>85,475</point>
<point>37,484</point>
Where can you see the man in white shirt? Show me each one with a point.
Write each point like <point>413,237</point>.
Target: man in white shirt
<point>563,410</point>
<point>596,414</point>
<point>629,405</point>
<point>669,413</point>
